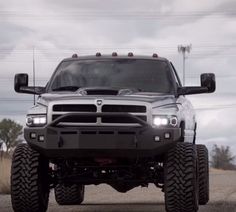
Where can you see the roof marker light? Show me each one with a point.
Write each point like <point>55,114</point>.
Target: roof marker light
<point>98,54</point>
<point>74,56</point>
<point>114,54</point>
<point>155,55</point>
<point>130,54</point>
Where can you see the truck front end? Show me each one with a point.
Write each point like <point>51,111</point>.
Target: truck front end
<point>114,126</point>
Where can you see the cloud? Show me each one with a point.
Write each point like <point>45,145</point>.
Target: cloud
<point>57,30</point>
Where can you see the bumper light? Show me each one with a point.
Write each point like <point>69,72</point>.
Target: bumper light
<point>33,135</point>
<point>41,138</point>
<point>167,135</point>
<point>157,138</point>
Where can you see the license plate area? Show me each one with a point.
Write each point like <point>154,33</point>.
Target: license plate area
<point>94,139</point>
<point>107,140</point>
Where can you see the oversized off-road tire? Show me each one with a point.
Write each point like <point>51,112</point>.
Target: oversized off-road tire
<point>69,194</point>
<point>180,179</point>
<point>203,170</point>
<point>29,180</point>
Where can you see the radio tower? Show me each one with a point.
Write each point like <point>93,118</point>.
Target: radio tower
<point>183,49</point>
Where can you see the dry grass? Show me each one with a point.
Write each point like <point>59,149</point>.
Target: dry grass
<point>221,171</point>
<point>5,169</point>
<point>219,207</point>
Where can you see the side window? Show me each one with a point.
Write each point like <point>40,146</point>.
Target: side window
<point>177,80</point>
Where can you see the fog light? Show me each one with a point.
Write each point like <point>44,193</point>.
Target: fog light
<point>167,135</point>
<point>41,138</point>
<point>32,135</point>
<point>157,138</point>
<point>173,121</point>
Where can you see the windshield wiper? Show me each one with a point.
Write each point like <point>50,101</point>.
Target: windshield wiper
<point>66,88</point>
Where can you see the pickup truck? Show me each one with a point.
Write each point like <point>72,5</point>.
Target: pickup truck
<point>122,120</point>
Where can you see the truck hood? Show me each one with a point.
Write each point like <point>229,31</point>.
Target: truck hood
<point>156,99</point>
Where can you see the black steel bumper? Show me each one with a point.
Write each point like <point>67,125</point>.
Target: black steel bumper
<point>56,141</point>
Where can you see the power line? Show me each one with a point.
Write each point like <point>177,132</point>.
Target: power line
<point>16,100</point>
<point>197,77</point>
<point>58,59</point>
<point>13,112</point>
<point>161,46</point>
<point>219,107</point>
<point>114,13</point>
<point>163,19</point>
<point>34,73</point>
<point>48,55</point>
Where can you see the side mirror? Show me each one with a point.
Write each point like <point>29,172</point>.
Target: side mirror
<point>21,85</point>
<point>208,85</point>
<point>208,81</point>
<point>21,80</point>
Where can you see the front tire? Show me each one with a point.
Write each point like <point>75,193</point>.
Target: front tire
<point>203,167</point>
<point>29,180</point>
<point>180,179</point>
<point>69,194</point>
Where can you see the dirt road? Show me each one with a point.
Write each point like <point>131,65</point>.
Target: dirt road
<point>104,198</point>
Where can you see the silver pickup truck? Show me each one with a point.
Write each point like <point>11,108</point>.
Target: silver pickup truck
<point>119,120</point>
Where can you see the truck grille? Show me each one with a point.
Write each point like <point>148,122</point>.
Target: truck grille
<point>136,110</point>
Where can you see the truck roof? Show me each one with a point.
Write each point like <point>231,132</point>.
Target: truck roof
<point>106,56</point>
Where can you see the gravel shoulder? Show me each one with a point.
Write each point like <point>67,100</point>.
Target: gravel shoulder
<point>104,198</point>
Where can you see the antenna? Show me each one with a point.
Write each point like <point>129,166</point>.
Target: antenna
<point>34,72</point>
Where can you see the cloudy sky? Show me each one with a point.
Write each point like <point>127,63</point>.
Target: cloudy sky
<point>59,28</point>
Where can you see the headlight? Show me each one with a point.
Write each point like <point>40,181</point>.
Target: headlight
<point>36,120</point>
<point>165,121</point>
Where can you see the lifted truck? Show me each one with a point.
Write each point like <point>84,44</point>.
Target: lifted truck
<point>119,120</point>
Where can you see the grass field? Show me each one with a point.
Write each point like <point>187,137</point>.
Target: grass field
<point>5,168</point>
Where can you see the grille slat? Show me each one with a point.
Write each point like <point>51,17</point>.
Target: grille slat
<point>121,120</point>
<point>124,108</point>
<point>74,108</point>
<point>77,119</point>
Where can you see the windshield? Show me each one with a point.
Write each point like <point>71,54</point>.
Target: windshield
<point>141,74</point>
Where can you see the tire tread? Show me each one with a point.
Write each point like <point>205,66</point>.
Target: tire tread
<point>203,167</point>
<point>180,185</point>
<point>26,193</point>
<point>69,194</point>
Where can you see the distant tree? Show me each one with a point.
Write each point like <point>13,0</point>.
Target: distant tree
<point>1,150</point>
<point>222,158</point>
<point>10,133</point>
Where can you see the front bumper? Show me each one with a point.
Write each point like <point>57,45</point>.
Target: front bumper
<point>56,141</point>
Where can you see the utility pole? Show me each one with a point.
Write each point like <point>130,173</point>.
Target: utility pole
<point>183,49</point>
<point>34,72</point>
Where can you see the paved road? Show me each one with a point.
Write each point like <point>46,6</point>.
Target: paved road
<point>104,198</point>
